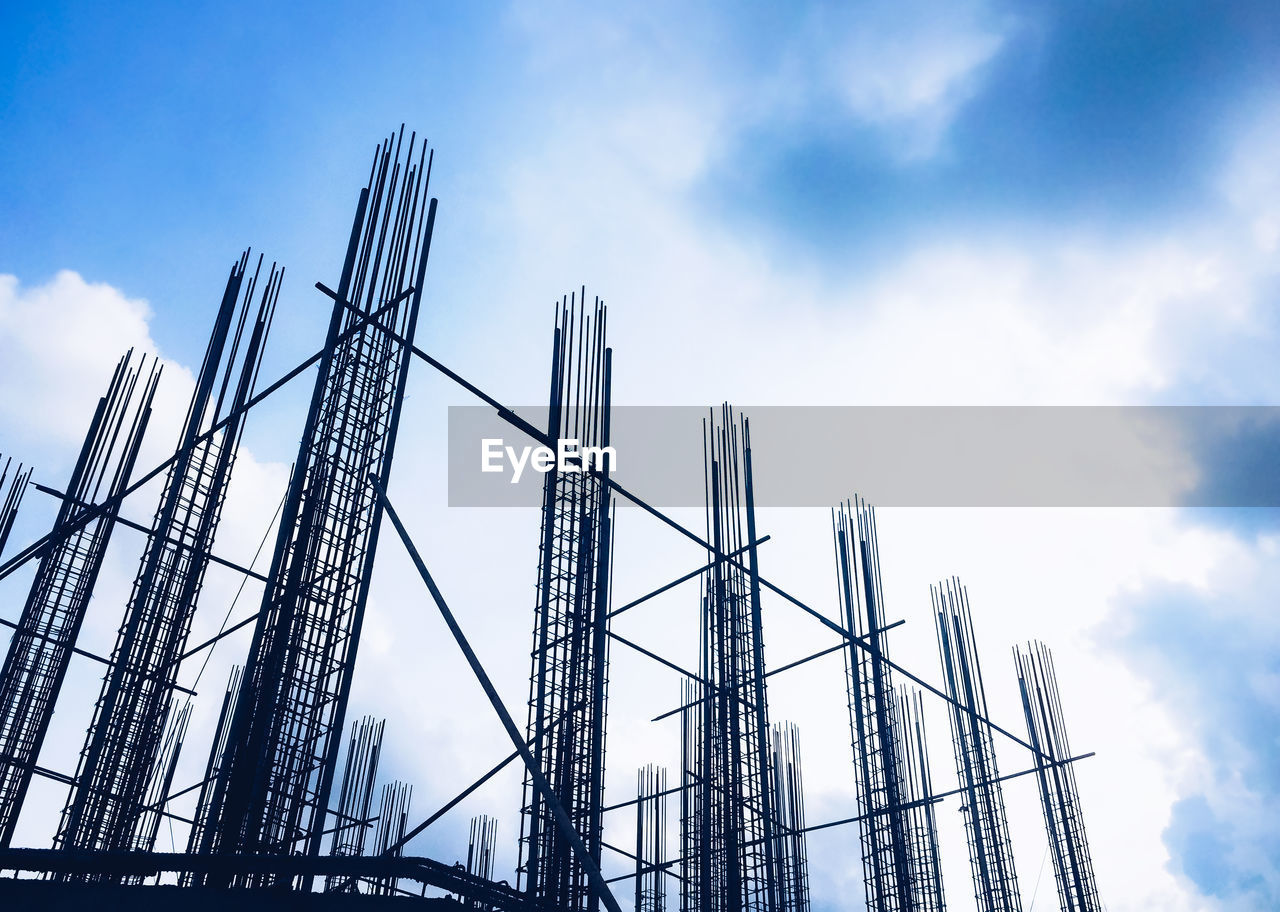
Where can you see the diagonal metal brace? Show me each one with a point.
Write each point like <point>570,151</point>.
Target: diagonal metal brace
<point>596,879</point>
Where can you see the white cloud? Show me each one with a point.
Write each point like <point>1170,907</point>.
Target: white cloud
<point>58,344</point>
<point>1209,648</point>
<point>906,68</point>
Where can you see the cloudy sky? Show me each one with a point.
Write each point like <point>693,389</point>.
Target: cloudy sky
<point>856,204</point>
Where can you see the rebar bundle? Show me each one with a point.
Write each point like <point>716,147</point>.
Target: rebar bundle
<point>480,850</point>
<point>896,871</point>
<point>388,839</point>
<point>788,804</point>
<point>568,685</point>
<point>46,632</point>
<point>12,500</point>
<point>117,767</point>
<point>1059,797</point>
<point>918,810</point>
<point>995,879</point>
<point>272,790</point>
<point>729,846</point>
<point>355,795</point>
<point>691,791</point>
<point>651,839</point>
<point>480,847</point>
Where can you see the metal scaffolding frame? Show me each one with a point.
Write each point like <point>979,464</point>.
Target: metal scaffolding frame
<point>1059,796</point>
<point>45,634</point>
<point>118,770</point>
<point>568,684</point>
<point>995,878</point>
<point>262,814</point>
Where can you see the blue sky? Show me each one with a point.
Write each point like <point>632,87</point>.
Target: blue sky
<point>914,202</point>
<point>152,128</point>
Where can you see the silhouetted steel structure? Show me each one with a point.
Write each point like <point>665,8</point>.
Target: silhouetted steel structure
<point>481,845</point>
<point>355,795</point>
<point>568,685</point>
<point>995,879</point>
<point>263,815</point>
<point>393,821</point>
<point>137,865</point>
<point>728,846</point>
<point>651,839</point>
<point>691,791</point>
<point>597,884</point>
<point>788,804</point>
<point>272,789</point>
<point>217,750</point>
<point>898,849</point>
<point>117,768</point>
<point>921,822</point>
<point>166,764</point>
<point>480,850</point>
<point>46,632</point>
<point>1046,730</point>
<point>12,500</point>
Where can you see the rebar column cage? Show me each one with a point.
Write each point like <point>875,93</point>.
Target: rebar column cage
<point>1059,796</point>
<point>44,638</point>
<point>728,832</point>
<point>890,866</point>
<point>355,795</point>
<point>995,879</point>
<point>12,500</point>
<point>568,684</point>
<point>272,788</point>
<point>651,839</point>
<point>118,766</point>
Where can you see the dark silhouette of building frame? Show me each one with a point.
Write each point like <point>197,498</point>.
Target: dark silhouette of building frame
<point>264,804</point>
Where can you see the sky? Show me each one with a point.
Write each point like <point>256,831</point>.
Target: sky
<point>910,203</point>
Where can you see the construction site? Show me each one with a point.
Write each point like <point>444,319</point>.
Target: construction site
<point>294,809</point>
